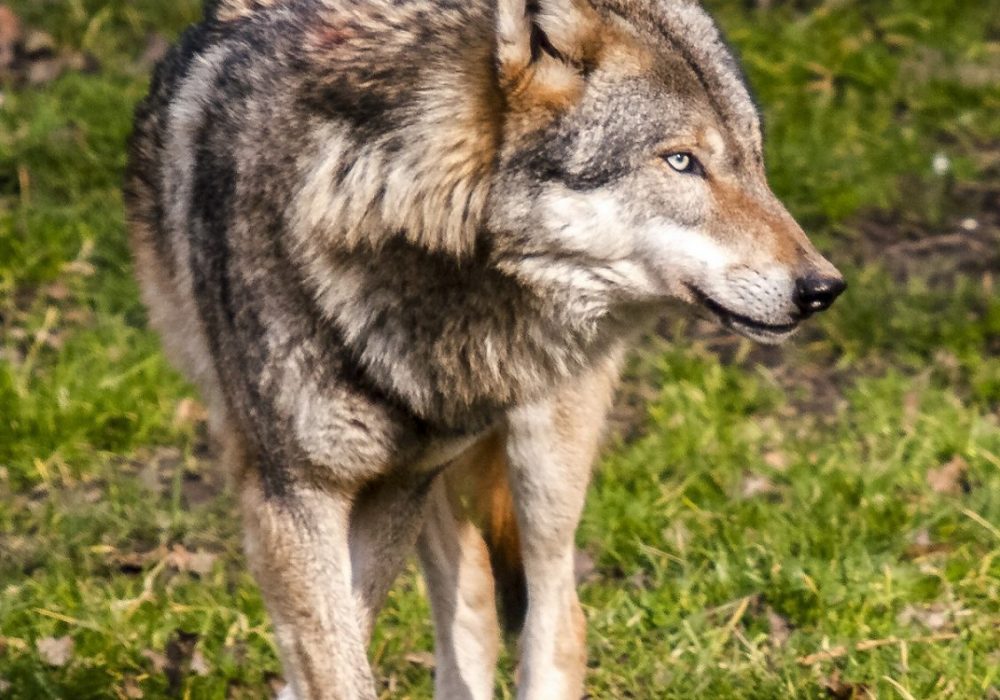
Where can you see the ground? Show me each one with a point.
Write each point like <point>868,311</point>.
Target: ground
<point>820,521</point>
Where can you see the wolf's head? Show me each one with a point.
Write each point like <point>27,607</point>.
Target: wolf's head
<point>632,167</point>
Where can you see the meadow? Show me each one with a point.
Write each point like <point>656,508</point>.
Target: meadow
<point>817,521</point>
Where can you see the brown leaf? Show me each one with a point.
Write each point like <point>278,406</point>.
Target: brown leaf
<point>420,658</point>
<point>754,485</point>
<point>276,684</point>
<point>82,63</point>
<point>922,545</point>
<point>55,651</point>
<point>39,44</point>
<point>80,267</point>
<point>12,643</point>
<point>934,617</point>
<point>131,689</point>
<point>157,660</point>
<point>11,35</point>
<point>197,562</point>
<point>911,410</point>
<point>777,460</point>
<point>950,479</point>
<point>779,629</point>
<point>156,50</point>
<point>189,413</point>
<point>584,568</point>
<point>837,687</point>
<point>199,665</point>
<point>44,70</point>
<point>201,563</point>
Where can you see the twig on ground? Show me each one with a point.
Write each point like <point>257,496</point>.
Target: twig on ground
<point>869,644</point>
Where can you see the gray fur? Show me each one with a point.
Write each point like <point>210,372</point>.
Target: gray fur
<point>370,232</point>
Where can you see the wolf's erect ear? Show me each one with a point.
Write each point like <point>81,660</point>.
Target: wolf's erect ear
<point>543,45</point>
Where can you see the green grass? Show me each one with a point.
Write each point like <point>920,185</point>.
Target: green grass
<point>760,496</point>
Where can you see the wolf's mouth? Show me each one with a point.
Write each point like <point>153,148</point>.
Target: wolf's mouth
<point>740,323</point>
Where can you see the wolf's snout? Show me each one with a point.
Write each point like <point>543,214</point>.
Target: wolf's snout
<point>814,293</point>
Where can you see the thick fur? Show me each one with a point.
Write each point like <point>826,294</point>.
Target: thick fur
<point>400,245</point>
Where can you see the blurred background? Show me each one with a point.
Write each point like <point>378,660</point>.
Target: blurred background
<point>821,520</point>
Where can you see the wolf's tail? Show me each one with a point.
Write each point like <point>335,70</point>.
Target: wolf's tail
<point>492,507</point>
<point>504,544</point>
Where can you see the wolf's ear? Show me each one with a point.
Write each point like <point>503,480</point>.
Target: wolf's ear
<point>543,46</point>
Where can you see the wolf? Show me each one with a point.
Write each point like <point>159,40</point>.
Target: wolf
<point>402,246</point>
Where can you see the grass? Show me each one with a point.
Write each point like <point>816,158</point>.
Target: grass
<point>839,501</point>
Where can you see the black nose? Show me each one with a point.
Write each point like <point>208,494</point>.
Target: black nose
<point>813,293</point>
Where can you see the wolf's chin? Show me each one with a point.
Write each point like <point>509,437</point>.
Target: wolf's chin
<point>762,334</point>
<point>760,331</point>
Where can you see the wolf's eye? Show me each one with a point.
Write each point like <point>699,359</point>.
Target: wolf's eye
<point>683,162</point>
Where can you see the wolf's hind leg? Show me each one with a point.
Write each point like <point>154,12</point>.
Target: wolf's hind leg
<point>385,522</point>
<point>550,450</point>
<point>456,566</point>
<point>296,543</point>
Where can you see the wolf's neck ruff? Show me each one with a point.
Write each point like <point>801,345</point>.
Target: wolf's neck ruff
<point>458,340</point>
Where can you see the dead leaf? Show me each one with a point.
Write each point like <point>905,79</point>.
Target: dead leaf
<point>754,485</point>
<point>44,70</point>
<point>837,687</point>
<point>197,562</point>
<point>777,460</point>
<point>189,413</point>
<point>276,683</point>
<point>199,665</point>
<point>911,410</point>
<point>779,629</point>
<point>950,479</point>
<point>156,50</point>
<point>131,689</point>
<point>838,652</point>
<point>584,568</point>
<point>82,63</point>
<point>38,44</point>
<point>922,545</point>
<point>80,267</point>
<point>12,643</point>
<point>424,659</point>
<point>11,34</point>
<point>934,617</point>
<point>201,563</point>
<point>157,660</point>
<point>55,651</point>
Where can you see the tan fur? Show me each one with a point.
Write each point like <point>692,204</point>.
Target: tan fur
<point>401,248</point>
<point>231,10</point>
<point>456,564</point>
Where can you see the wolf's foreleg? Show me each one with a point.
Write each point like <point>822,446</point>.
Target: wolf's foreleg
<point>460,584</point>
<point>550,449</point>
<point>296,543</point>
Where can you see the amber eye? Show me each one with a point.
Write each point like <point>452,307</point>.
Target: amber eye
<point>681,162</point>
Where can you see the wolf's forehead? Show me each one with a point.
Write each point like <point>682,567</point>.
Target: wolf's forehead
<point>692,61</point>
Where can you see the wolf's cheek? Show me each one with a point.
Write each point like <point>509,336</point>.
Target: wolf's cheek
<point>588,223</point>
<point>681,257</point>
